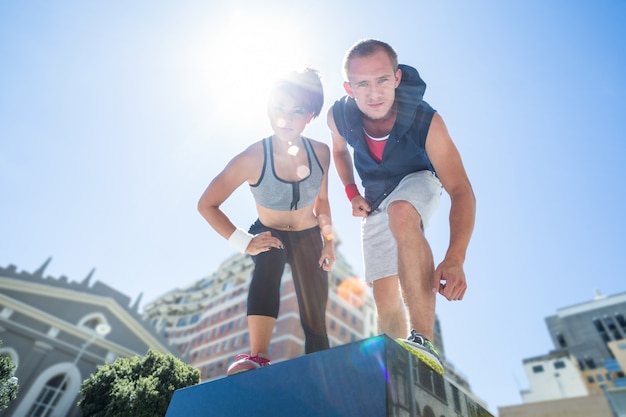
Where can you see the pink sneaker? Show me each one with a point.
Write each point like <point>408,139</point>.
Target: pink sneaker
<point>245,363</point>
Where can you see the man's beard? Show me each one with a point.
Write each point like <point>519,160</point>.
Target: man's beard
<point>389,114</point>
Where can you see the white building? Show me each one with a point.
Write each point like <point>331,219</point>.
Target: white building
<point>552,376</point>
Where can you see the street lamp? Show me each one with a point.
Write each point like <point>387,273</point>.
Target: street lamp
<point>101,330</point>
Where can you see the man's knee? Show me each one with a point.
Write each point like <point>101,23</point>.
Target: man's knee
<point>403,216</point>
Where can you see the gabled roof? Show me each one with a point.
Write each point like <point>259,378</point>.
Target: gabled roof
<point>20,289</point>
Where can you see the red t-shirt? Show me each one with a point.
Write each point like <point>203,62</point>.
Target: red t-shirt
<point>376,146</point>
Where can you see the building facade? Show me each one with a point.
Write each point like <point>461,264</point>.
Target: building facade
<point>57,332</point>
<point>207,322</point>
<point>586,330</point>
<point>587,366</point>
<point>554,375</point>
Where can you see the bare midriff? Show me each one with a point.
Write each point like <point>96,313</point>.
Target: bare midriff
<point>293,220</point>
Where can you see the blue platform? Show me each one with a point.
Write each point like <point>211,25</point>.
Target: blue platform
<point>375,377</point>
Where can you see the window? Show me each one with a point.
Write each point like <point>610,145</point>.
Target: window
<point>612,326</point>
<point>49,396</point>
<point>559,365</point>
<point>402,390</point>
<point>601,331</point>
<point>620,319</point>
<point>424,377</point>
<point>456,398</point>
<point>537,369</point>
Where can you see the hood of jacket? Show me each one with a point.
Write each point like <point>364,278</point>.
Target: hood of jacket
<point>409,96</point>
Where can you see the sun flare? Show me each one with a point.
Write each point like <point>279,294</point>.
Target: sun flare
<point>249,52</point>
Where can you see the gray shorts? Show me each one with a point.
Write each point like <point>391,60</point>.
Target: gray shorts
<point>380,253</point>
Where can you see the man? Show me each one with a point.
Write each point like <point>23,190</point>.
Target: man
<point>404,156</point>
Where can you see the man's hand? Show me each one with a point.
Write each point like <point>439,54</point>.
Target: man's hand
<point>360,208</point>
<point>451,280</point>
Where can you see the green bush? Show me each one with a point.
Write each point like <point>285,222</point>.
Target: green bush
<point>8,385</point>
<point>138,387</point>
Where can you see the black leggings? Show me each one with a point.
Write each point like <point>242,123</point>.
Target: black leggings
<point>301,251</point>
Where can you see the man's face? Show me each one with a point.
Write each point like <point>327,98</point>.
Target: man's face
<point>372,82</point>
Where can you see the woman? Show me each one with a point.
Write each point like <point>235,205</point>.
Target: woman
<point>288,177</point>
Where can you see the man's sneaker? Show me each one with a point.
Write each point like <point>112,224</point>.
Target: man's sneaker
<point>245,363</point>
<point>421,347</point>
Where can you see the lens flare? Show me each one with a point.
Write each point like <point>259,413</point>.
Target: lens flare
<point>293,150</point>
<point>353,290</point>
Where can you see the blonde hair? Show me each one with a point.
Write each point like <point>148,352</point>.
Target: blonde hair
<point>367,47</point>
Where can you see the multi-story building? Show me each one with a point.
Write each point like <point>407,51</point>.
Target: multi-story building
<point>586,370</point>
<point>207,319</point>
<point>554,375</point>
<point>585,330</point>
<point>57,332</point>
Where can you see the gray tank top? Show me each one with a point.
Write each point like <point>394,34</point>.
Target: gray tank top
<point>275,193</point>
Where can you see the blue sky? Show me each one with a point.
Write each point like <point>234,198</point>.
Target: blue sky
<point>114,116</point>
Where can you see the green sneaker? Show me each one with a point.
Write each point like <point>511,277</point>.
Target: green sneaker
<point>423,348</point>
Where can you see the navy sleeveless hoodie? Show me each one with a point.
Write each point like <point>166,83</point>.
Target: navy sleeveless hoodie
<point>405,151</point>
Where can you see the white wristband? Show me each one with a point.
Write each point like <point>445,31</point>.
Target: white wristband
<point>240,239</point>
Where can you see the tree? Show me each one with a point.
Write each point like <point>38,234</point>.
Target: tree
<point>8,382</point>
<point>139,387</point>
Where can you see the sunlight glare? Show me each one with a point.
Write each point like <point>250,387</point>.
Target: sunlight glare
<point>250,51</point>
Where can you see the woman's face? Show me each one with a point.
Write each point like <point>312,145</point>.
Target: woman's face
<point>287,114</point>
